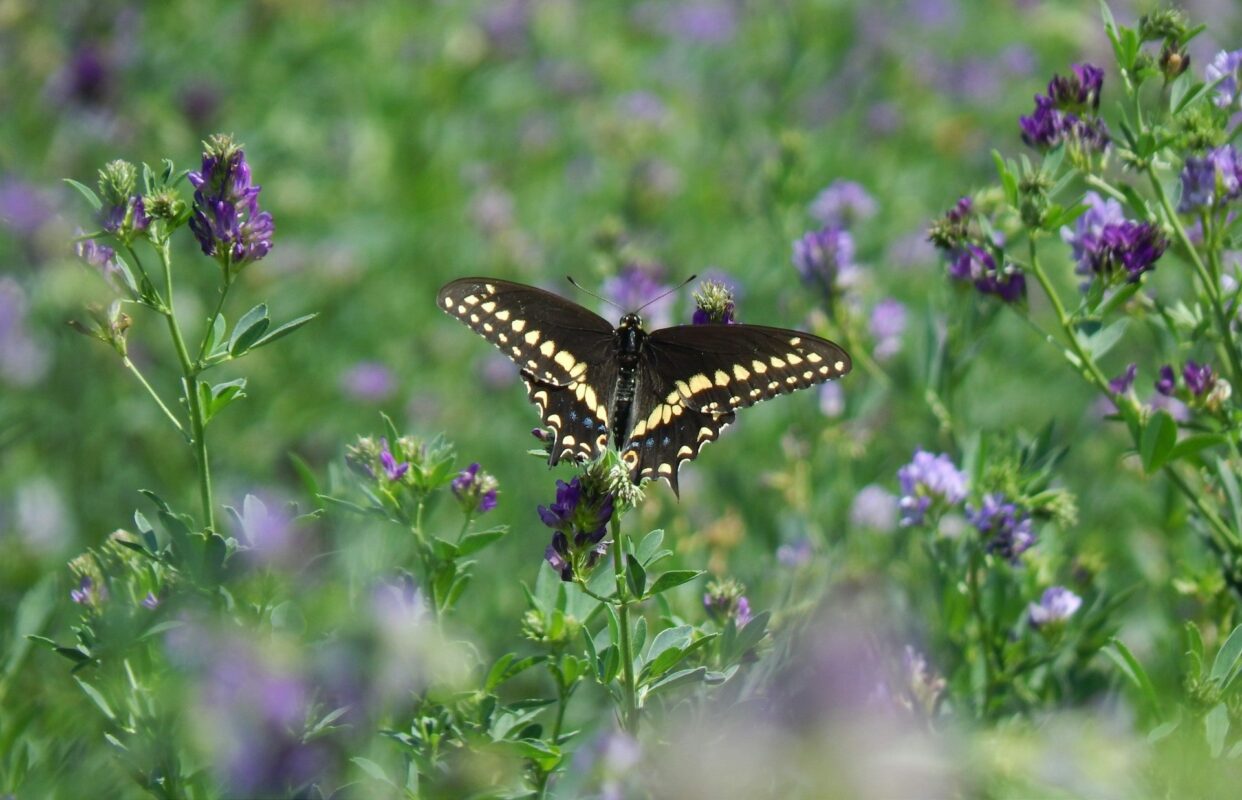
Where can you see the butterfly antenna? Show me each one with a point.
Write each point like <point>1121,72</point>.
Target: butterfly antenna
<point>676,288</point>
<point>584,290</point>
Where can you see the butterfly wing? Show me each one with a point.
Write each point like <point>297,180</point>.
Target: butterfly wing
<point>565,352</point>
<point>693,378</point>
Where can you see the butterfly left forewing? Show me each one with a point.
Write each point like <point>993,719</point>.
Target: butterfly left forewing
<point>564,352</point>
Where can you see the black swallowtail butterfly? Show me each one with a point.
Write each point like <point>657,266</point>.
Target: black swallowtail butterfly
<point>661,396</point>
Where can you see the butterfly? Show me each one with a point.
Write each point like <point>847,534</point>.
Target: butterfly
<point>660,396</point>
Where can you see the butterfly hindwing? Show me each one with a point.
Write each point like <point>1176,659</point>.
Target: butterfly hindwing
<point>564,351</point>
<point>693,378</point>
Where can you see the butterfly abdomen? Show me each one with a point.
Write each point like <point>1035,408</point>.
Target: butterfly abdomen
<point>630,337</point>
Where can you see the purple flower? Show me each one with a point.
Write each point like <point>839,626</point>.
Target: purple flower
<point>23,208</point>
<point>1224,68</point>
<point>831,400</point>
<point>1167,383</point>
<point>1211,180</point>
<point>636,286</point>
<point>701,21</point>
<point>842,204</point>
<point>1056,605</point>
<point>1198,377</point>
<point>87,78</point>
<point>369,381</point>
<point>1005,529</point>
<point>226,218</point>
<point>888,323</point>
<point>874,508</point>
<point>1058,117</point>
<point>724,601</point>
<point>825,259</point>
<point>1122,383</point>
<point>974,263</point>
<point>795,554</point>
<point>1107,245</point>
<point>89,593</point>
<point>713,304</point>
<point>742,615</point>
<point>580,517</point>
<point>23,360</point>
<point>392,469</point>
<point>150,601</point>
<point>927,481</point>
<point>476,491</point>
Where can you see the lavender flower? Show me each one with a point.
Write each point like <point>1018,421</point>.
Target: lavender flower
<point>1211,180</point>
<point>795,554</point>
<point>974,263</point>
<point>927,482</point>
<point>713,304</point>
<point>1005,529</point>
<point>89,592</point>
<point>392,469</point>
<point>842,204</point>
<point>701,21</point>
<point>1107,245</point>
<point>475,490</point>
<point>150,601</point>
<point>122,212</point>
<point>724,600</point>
<point>1056,605</point>
<point>1059,116</point>
<point>825,259</point>
<point>226,218</point>
<point>1122,383</point>
<point>580,517</point>
<point>1224,68</point>
<point>637,285</point>
<point>24,209</point>
<point>1167,383</point>
<point>831,400</point>
<point>874,508</point>
<point>1198,377</point>
<point>368,381</point>
<point>952,231</point>
<point>888,323</point>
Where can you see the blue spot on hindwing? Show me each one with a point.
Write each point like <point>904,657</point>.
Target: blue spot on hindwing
<point>650,443</point>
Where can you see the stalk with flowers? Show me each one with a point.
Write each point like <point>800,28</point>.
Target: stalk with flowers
<point>1150,195</point>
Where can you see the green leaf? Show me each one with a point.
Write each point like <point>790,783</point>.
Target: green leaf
<point>1007,178</point>
<point>1133,670</point>
<point>86,192</point>
<point>667,649</point>
<point>635,575</point>
<point>751,633</point>
<point>1101,341</point>
<point>1163,731</point>
<point>474,542</point>
<point>671,579</point>
<point>1158,440</point>
<point>214,398</point>
<point>215,335</point>
<point>374,770</point>
<point>249,328</point>
<point>649,546</point>
<point>679,678</point>
<point>1195,443</point>
<point>1226,661</point>
<point>496,675</point>
<point>1230,483</point>
<point>97,698</point>
<point>283,330</point>
<point>1216,728</point>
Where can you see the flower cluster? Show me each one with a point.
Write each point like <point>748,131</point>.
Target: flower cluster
<point>122,212</point>
<point>1107,245</point>
<point>475,490</point>
<point>888,325</point>
<point>978,265</point>
<point>1202,387</point>
<point>1122,383</point>
<point>375,460</point>
<point>714,304</point>
<point>1223,74</point>
<point>92,590</point>
<point>825,259</point>
<point>1005,529</point>
<point>724,601</point>
<point>580,518</point>
<point>842,204</point>
<point>637,286</point>
<point>1056,605</point>
<point>226,218</point>
<point>929,482</point>
<point>1068,112</point>
<point>1211,180</point>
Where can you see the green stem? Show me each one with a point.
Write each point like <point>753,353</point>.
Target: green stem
<point>629,717</point>
<point>211,322</point>
<point>129,365</point>
<point>1211,287</point>
<point>976,607</point>
<point>190,386</point>
<point>1225,537</point>
<point>1086,363</point>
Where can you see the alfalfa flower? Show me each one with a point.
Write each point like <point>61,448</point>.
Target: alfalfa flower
<point>122,212</point>
<point>725,600</point>
<point>929,483</point>
<point>988,274</point>
<point>1110,247</point>
<point>1067,114</point>
<point>825,259</point>
<point>1222,76</point>
<point>475,490</point>
<point>714,304</point>
<point>1211,180</point>
<point>226,217</point>
<point>842,204</point>
<point>1055,606</point>
<point>1004,527</point>
<point>579,517</point>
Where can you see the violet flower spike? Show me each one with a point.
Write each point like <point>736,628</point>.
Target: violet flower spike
<point>226,218</point>
<point>392,469</point>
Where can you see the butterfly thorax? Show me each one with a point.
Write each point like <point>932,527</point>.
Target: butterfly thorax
<point>629,343</point>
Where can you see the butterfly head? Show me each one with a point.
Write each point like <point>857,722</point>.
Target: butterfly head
<point>631,321</point>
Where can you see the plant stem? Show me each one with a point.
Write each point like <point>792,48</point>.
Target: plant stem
<point>189,382</point>
<point>1085,362</point>
<point>129,365</point>
<point>211,321</point>
<point>629,718</point>
<point>1210,286</point>
<point>976,607</point>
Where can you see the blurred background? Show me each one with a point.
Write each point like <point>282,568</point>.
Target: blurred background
<point>402,144</point>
